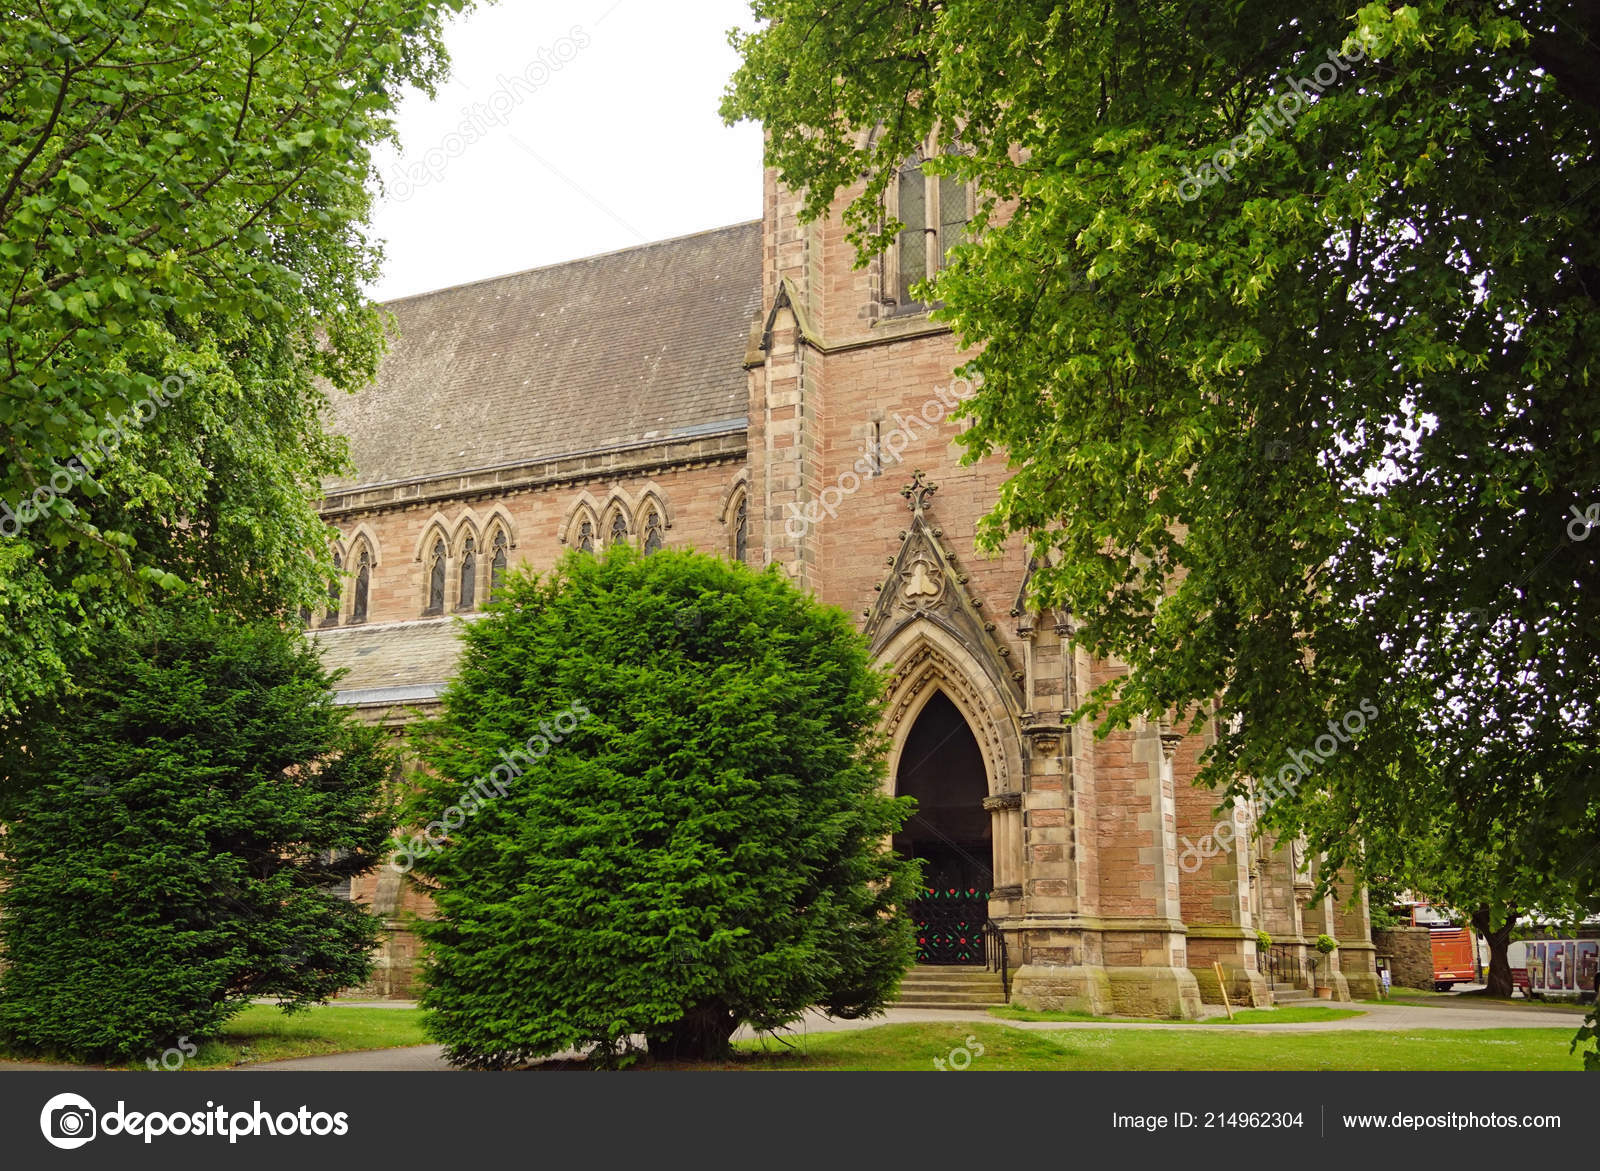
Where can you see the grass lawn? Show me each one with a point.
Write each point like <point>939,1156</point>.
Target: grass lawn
<point>915,1046</point>
<point>263,1033</point>
<point>1291,1015</point>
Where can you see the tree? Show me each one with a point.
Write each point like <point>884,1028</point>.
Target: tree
<point>1494,885</point>
<point>183,208</point>
<point>1285,318</point>
<point>175,833</point>
<point>655,807</point>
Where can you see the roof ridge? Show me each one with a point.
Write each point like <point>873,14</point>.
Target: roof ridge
<point>568,263</point>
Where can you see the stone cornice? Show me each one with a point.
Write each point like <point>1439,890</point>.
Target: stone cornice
<point>634,459</point>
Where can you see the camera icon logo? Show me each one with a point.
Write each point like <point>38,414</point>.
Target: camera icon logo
<point>68,1121</point>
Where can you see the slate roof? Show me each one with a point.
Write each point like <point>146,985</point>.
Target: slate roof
<point>633,346</point>
<point>391,662</point>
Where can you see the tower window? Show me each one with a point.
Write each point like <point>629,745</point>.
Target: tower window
<point>913,238</point>
<point>741,529</point>
<point>934,211</point>
<point>953,216</point>
<point>619,528</point>
<point>586,536</point>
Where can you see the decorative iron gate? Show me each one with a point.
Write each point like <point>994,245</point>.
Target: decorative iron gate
<point>950,925</point>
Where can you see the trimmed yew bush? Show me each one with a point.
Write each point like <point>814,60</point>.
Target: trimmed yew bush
<point>177,831</point>
<point>658,810</point>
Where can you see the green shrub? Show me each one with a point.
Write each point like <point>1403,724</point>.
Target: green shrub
<point>657,801</point>
<point>174,832</point>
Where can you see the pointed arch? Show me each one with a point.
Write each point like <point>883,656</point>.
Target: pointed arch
<point>652,531</point>
<point>498,518</point>
<point>730,494</point>
<point>362,563</point>
<point>364,533</point>
<point>617,529</point>
<point>466,529</point>
<point>467,574</point>
<point>361,591</point>
<point>584,510</point>
<point>618,519</point>
<point>436,526</point>
<point>926,659</point>
<point>499,539</point>
<point>619,504</point>
<point>734,513</point>
<point>436,572</point>
<point>499,553</point>
<point>651,496</point>
<point>336,587</point>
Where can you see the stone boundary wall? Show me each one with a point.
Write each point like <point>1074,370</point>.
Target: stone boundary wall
<point>1410,953</point>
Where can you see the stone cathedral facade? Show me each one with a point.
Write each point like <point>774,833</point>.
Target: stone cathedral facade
<point>747,391</point>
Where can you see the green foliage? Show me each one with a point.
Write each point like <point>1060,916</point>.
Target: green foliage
<point>1327,944</point>
<point>1305,445</point>
<point>173,832</point>
<point>1382,918</point>
<point>183,207</point>
<point>1263,940</point>
<point>703,847</point>
<point>1590,1033</point>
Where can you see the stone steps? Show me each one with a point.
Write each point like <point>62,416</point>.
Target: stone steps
<point>928,986</point>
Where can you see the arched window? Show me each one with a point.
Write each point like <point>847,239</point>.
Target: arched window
<point>333,593</point>
<point>586,537</point>
<point>497,565</point>
<point>468,596</point>
<point>741,528</point>
<point>363,587</point>
<point>654,537</point>
<point>619,528</point>
<point>436,566</point>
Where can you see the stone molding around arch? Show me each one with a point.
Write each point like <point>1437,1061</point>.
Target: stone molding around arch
<point>926,660</point>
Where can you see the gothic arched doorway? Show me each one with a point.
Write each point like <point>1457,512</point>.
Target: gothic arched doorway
<point>941,765</point>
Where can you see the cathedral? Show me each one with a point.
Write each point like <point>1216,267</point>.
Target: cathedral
<point>750,392</point>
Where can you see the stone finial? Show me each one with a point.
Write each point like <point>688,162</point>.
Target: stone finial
<point>918,491</point>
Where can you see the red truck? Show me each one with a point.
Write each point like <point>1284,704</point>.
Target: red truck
<point>1454,960</point>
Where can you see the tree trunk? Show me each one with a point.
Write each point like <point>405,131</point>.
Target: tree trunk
<point>704,1034</point>
<point>1499,979</point>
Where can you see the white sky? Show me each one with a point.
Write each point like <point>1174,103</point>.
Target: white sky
<point>618,144</point>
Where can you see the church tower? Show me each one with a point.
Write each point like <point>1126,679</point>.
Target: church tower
<point>1072,849</point>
